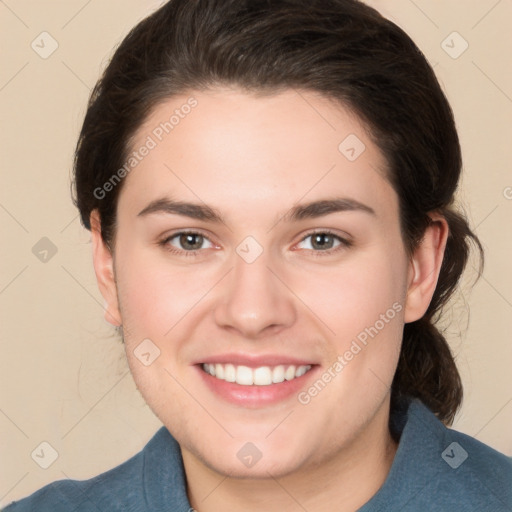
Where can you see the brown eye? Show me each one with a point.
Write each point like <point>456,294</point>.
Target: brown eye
<point>191,241</point>
<point>187,242</point>
<point>322,241</point>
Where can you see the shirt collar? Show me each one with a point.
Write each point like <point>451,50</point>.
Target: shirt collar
<point>422,440</point>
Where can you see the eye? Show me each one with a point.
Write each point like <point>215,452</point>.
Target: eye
<point>323,241</point>
<point>186,241</point>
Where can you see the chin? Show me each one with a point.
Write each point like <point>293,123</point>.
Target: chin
<point>258,458</point>
<point>270,465</point>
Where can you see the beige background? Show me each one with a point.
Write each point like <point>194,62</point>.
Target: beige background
<point>63,375</point>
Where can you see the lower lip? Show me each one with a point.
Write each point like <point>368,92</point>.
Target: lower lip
<point>255,396</point>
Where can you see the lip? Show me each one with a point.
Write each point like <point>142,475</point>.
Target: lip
<point>255,361</point>
<point>254,397</point>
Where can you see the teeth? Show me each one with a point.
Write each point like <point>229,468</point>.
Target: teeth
<point>289,374</point>
<point>244,376</point>
<point>261,376</point>
<point>278,374</point>
<point>301,370</point>
<point>229,373</point>
<point>219,371</point>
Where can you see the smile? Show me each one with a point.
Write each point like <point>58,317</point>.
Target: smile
<point>260,376</point>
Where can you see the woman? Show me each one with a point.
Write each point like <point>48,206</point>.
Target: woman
<point>269,188</point>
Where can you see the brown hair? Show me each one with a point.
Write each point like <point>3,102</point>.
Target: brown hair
<point>342,49</point>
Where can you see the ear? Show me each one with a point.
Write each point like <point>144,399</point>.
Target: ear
<point>424,268</point>
<point>104,269</point>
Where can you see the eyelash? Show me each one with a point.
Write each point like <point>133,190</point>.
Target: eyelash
<point>344,243</point>
<point>165,244</point>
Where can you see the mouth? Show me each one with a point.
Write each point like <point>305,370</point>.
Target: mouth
<point>255,382</point>
<point>260,376</point>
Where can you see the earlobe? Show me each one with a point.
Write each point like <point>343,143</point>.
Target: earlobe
<point>424,268</point>
<point>104,270</point>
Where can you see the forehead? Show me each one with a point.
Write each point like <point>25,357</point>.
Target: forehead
<point>230,148</point>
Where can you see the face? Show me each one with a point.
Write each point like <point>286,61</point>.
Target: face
<point>260,278</point>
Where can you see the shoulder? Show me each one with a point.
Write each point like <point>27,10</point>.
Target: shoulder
<point>437,468</point>
<point>459,472</point>
<point>125,487</point>
<point>85,495</point>
<point>477,472</point>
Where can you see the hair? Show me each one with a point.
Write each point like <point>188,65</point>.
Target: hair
<point>342,49</point>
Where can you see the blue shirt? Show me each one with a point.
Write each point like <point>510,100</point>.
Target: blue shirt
<point>434,469</point>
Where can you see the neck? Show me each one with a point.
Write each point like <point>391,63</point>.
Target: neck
<point>346,480</point>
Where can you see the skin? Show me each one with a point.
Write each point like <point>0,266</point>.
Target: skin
<point>253,158</point>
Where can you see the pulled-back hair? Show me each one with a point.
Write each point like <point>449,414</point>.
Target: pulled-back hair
<point>342,49</point>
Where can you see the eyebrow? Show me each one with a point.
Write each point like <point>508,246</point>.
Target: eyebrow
<point>192,210</point>
<point>204,212</point>
<point>323,207</point>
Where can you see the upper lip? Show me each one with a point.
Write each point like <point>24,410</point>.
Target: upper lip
<point>255,361</point>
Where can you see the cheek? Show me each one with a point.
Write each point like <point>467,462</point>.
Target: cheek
<point>156,301</point>
<point>155,297</point>
<point>362,303</point>
<point>351,297</point>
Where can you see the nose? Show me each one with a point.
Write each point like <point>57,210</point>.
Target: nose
<point>254,302</point>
